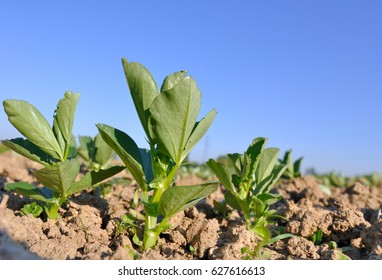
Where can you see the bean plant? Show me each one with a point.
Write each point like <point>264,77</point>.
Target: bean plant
<point>293,169</point>
<point>54,148</point>
<point>95,152</point>
<point>248,180</point>
<point>169,118</point>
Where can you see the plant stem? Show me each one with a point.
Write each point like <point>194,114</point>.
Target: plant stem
<point>152,231</point>
<point>150,236</point>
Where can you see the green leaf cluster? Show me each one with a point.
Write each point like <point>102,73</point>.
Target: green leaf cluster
<point>169,119</point>
<point>317,237</point>
<point>293,169</point>
<point>54,148</point>
<point>33,209</point>
<point>248,180</point>
<point>96,153</point>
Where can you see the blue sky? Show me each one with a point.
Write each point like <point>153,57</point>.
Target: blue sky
<point>305,74</point>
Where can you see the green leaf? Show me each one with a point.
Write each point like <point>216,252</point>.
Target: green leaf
<point>64,114</point>
<point>92,178</point>
<point>59,177</point>
<point>277,238</point>
<point>30,123</point>
<point>104,152</point>
<point>254,152</point>
<point>267,162</point>
<point>199,131</point>
<point>269,198</point>
<point>143,89</point>
<point>147,165</point>
<point>127,150</point>
<point>29,150</point>
<point>178,198</point>
<point>297,167</point>
<point>260,229</point>
<point>174,113</point>
<point>268,183</point>
<point>277,172</point>
<point>63,120</point>
<point>172,80</point>
<point>32,208</point>
<point>26,189</point>
<point>72,151</point>
<point>258,206</point>
<point>87,148</point>
<point>222,174</point>
<point>236,160</point>
<point>232,200</point>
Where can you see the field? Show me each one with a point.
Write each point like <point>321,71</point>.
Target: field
<point>64,197</point>
<point>326,223</point>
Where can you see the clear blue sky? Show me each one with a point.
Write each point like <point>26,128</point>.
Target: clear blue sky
<point>305,74</point>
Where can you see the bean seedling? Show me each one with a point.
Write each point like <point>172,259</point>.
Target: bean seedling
<point>95,152</point>
<point>292,170</point>
<point>169,119</point>
<point>248,180</point>
<point>54,148</point>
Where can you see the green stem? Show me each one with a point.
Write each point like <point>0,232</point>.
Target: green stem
<point>152,231</point>
<point>150,236</point>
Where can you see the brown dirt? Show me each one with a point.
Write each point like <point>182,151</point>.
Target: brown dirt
<point>349,216</point>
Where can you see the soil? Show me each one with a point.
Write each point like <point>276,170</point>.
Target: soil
<point>87,230</point>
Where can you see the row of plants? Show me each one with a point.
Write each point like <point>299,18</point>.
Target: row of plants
<point>169,117</point>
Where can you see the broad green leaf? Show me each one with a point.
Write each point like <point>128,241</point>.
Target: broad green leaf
<point>268,183</point>
<point>147,164</point>
<point>245,168</point>
<point>257,206</point>
<point>103,152</point>
<point>63,119</point>
<point>263,185</point>
<point>277,172</point>
<point>59,177</point>
<point>288,159</point>
<point>143,89</point>
<point>29,150</point>
<point>87,147</point>
<point>126,149</point>
<point>26,189</point>
<point>236,160</point>
<point>174,114</point>
<point>269,198</point>
<point>93,177</point>
<point>30,123</point>
<point>232,200</point>
<point>32,208</point>
<point>59,137</point>
<point>220,207</point>
<point>259,228</point>
<point>172,80</point>
<point>178,198</point>
<point>254,152</point>
<point>222,174</point>
<point>199,131</point>
<point>236,181</point>
<point>297,167</point>
<point>266,164</point>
